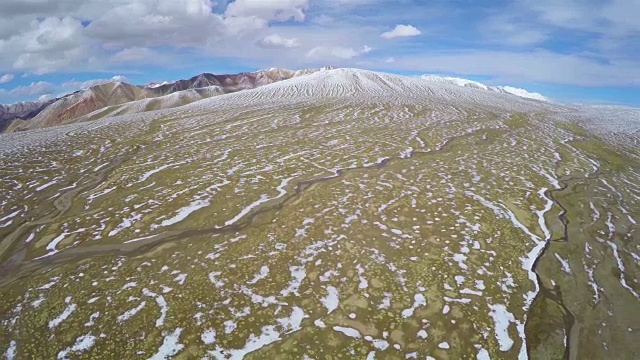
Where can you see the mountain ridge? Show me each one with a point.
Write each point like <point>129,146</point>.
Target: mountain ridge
<point>86,101</point>
<point>477,85</point>
<point>120,98</point>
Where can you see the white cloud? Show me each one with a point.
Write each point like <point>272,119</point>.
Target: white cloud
<point>401,31</point>
<point>47,45</point>
<point>623,16</point>
<point>39,36</point>
<point>93,82</point>
<point>340,52</point>
<point>133,54</point>
<point>507,30</point>
<point>44,36</point>
<point>538,66</point>
<point>119,32</point>
<point>122,30</point>
<point>613,18</point>
<point>323,20</point>
<point>277,41</point>
<point>34,89</point>
<point>6,78</point>
<point>270,10</point>
<point>145,23</point>
<point>120,78</point>
<point>45,97</point>
<point>238,27</point>
<point>353,2</point>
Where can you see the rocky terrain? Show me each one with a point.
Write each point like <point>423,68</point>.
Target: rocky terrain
<point>342,214</point>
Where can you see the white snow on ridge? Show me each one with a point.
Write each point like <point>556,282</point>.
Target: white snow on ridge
<point>368,84</point>
<point>519,92</point>
<point>455,81</point>
<point>153,85</point>
<point>474,84</point>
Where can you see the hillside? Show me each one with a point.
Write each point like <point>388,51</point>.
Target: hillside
<point>345,213</point>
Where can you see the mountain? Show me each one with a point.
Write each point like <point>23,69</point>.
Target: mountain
<point>22,110</point>
<point>106,99</point>
<point>341,214</point>
<point>474,84</point>
<point>356,82</point>
<point>119,98</point>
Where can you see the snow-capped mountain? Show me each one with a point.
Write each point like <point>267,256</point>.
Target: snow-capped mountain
<point>474,84</point>
<point>156,84</point>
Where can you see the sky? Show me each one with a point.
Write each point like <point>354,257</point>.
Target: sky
<point>572,51</point>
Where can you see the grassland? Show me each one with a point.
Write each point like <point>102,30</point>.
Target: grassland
<point>321,229</point>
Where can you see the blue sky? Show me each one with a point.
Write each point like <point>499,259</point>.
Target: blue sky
<point>569,50</point>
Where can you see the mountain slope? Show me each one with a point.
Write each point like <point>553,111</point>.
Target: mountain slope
<point>474,84</point>
<point>357,83</point>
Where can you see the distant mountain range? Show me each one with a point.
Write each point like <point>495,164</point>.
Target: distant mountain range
<point>118,98</point>
<point>22,110</point>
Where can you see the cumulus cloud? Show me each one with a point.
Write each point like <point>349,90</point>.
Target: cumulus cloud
<point>270,10</point>
<point>401,31</point>
<point>47,36</point>
<point>34,89</point>
<point>48,44</point>
<point>277,41</point>
<point>133,54</point>
<point>93,82</point>
<point>144,23</point>
<point>45,97</point>
<point>6,78</point>
<point>41,36</point>
<point>340,52</point>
